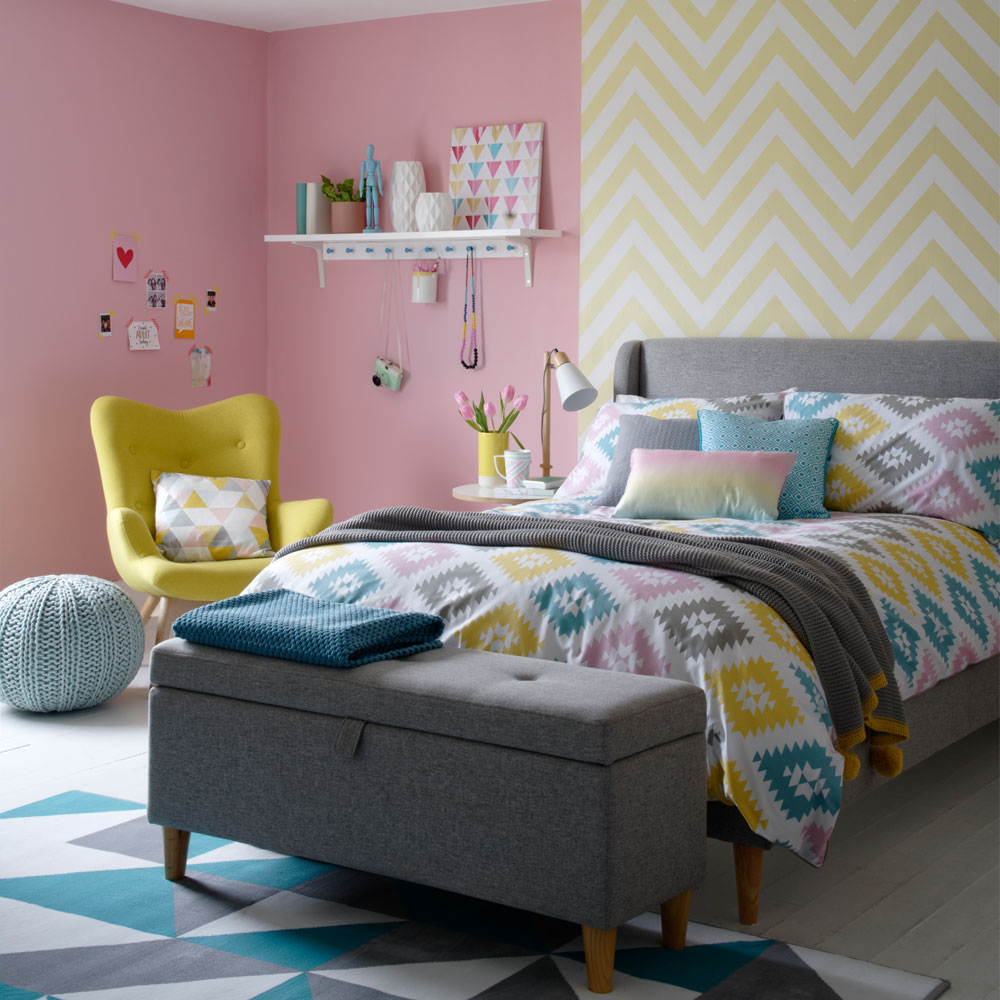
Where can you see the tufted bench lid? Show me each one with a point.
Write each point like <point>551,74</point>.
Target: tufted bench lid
<point>557,709</point>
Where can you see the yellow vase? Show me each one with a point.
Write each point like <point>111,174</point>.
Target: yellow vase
<point>491,444</point>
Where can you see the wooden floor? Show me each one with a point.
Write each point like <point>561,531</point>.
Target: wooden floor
<point>911,879</point>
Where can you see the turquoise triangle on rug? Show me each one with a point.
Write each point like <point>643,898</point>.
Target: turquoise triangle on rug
<point>139,898</point>
<point>275,873</point>
<point>67,803</point>
<point>13,993</point>
<point>698,968</point>
<point>283,928</point>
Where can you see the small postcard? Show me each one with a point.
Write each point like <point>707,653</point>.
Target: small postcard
<point>184,318</point>
<point>143,335</point>
<point>105,325</point>
<point>124,266</point>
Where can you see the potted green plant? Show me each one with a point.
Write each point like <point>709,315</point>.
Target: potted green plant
<point>347,210</point>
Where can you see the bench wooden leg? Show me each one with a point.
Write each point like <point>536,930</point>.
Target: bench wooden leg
<point>674,920</point>
<point>175,852</point>
<point>599,952</point>
<point>749,862</point>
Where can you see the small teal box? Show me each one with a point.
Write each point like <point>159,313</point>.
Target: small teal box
<point>300,207</point>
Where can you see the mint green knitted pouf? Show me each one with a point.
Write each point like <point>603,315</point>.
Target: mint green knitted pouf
<point>67,642</point>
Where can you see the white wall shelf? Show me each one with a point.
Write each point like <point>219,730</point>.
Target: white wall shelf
<point>454,243</point>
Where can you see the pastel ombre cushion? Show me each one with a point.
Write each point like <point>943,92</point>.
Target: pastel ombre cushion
<point>591,469</point>
<point>911,455</point>
<point>688,484</point>
<point>810,440</point>
<point>201,518</point>
<point>644,432</point>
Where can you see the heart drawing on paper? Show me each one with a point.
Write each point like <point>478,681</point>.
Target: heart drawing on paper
<point>125,256</point>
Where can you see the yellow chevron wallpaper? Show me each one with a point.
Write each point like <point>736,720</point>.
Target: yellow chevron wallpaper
<point>791,168</point>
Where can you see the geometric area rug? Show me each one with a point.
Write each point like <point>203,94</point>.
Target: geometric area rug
<point>86,914</point>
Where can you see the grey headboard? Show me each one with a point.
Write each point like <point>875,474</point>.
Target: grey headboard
<point>683,366</point>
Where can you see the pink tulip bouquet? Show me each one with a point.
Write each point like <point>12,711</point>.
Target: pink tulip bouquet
<point>484,417</point>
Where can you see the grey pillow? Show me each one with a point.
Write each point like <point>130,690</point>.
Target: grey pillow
<point>637,431</point>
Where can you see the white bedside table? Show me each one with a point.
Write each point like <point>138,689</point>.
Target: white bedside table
<point>474,493</point>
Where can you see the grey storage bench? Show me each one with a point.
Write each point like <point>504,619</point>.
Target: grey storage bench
<point>575,793</point>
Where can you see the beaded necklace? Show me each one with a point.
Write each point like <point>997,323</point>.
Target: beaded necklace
<point>470,272</point>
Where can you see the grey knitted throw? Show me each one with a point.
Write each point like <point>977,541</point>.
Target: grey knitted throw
<point>820,598</point>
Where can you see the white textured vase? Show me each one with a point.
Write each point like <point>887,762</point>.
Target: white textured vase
<point>433,212</point>
<point>407,182</point>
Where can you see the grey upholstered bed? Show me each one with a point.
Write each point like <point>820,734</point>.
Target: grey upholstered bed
<point>727,367</point>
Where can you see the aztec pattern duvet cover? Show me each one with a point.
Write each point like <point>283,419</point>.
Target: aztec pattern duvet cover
<point>769,739</point>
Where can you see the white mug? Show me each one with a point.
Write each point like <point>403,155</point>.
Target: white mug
<point>516,463</point>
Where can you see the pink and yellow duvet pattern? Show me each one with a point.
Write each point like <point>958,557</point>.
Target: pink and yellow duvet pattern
<point>768,740</point>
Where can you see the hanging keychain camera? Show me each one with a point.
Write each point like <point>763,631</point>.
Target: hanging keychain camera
<point>390,373</point>
<point>470,269</point>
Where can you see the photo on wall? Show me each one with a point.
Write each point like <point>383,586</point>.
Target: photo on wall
<point>156,290</point>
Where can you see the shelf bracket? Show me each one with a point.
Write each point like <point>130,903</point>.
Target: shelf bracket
<point>318,247</point>
<point>525,247</point>
<point>321,265</point>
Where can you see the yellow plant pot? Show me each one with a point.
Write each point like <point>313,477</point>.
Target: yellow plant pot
<point>491,443</point>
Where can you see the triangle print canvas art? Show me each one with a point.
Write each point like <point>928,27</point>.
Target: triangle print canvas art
<point>494,175</point>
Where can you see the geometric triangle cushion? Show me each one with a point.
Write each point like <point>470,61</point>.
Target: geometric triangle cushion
<point>201,518</point>
<point>67,642</point>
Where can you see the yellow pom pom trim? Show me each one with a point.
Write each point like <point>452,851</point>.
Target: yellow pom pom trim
<point>888,761</point>
<point>851,766</point>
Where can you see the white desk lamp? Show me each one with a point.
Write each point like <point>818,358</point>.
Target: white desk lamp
<point>575,392</point>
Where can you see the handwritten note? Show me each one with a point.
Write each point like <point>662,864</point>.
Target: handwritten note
<point>143,335</point>
<point>201,367</point>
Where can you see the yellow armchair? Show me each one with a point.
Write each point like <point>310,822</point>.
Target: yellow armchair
<point>240,436</point>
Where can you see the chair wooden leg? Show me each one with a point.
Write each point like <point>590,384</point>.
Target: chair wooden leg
<point>749,862</point>
<point>599,953</point>
<point>674,920</point>
<point>165,627</point>
<point>175,852</point>
<point>148,607</point>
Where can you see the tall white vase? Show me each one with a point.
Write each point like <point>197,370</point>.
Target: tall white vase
<point>433,212</point>
<point>407,182</point>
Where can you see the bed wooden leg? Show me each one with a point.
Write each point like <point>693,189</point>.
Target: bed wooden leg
<point>599,952</point>
<point>674,920</point>
<point>749,862</point>
<point>175,852</point>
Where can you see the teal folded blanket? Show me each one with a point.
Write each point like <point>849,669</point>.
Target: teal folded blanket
<point>292,626</point>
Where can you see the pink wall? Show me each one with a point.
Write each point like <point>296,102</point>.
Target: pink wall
<point>403,84</point>
<point>116,118</point>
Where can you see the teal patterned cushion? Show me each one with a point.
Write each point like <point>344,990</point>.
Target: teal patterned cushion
<point>802,495</point>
